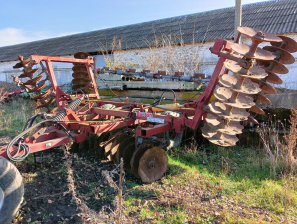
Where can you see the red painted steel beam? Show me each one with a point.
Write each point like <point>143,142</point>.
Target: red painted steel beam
<point>156,129</point>
<point>37,58</point>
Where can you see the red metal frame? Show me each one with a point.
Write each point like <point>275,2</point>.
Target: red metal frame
<point>87,121</point>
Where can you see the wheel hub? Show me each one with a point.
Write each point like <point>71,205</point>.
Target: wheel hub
<point>1,198</point>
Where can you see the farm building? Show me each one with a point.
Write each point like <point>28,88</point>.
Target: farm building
<point>174,44</point>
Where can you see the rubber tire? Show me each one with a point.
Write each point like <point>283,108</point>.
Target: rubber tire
<point>12,185</point>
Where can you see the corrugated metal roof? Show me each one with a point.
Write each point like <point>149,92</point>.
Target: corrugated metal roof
<point>278,16</point>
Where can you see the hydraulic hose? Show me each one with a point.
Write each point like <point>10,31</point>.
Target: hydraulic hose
<point>28,127</point>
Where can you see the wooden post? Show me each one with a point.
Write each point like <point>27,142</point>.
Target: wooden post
<point>238,15</point>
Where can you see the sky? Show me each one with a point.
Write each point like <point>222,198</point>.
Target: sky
<point>26,21</point>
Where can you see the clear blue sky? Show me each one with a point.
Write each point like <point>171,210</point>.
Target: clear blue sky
<point>25,21</point>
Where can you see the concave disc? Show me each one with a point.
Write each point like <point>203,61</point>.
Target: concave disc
<point>253,33</point>
<point>42,96</point>
<point>252,119</point>
<point>265,87</point>
<point>257,110</point>
<point>232,128</point>
<point>107,145</point>
<point>50,101</point>
<point>77,75</point>
<point>81,55</point>
<point>79,68</point>
<point>37,89</point>
<point>263,99</point>
<point>285,56</point>
<point>22,63</point>
<point>260,54</point>
<point>34,80</point>
<point>226,95</point>
<point>152,165</point>
<point>277,67</point>
<point>80,81</point>
<point>101,137</point>
<point>127,155</point>
<point>255,72</point>
<point>273,78</point>
<point>30,73</point>
<point>221,109</point>
<point>218,138</point>
<point>138,153</point>
<point>123,146</point>
<point>287,43</point>
<point>115,147</point>
<point>231,81</point>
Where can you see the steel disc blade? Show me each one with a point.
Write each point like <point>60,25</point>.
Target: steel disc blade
<point>221,109</point>
<point>265,87</point>
<point>244,50</point>
<point>82,81</point>
<point>152,165</point>
<point>107,145</point>
<point>138,153</point>
<point>255,72</point>
<point>232,128</point>
<point>127,155</point>
<point>254,34</point>
<point>273,78</point>
<point>30,73</point>
<point>50,101</point>
<point>34,80</point>
<point>115,146</point>
<point>226,96</point>
<point>79,68</point>
<point>218,138</point>
<point>247,86</point>
<point>42,96</point>
<point>77,75</point>
<point>257,110</point>
<point>287,43</point>
<point>277,67</point>
<point>252,119</point>
<point>263,99</point>
<point>81,55</point>
<point>123,146</point>
<point>285,56</point>
<point>37,89</point>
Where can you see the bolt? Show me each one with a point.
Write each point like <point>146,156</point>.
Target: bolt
<point>260,33</point>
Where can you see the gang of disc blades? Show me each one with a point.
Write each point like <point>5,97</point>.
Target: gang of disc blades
<point>221,109</point>
<point>81,55</point>
<point>79,68</point>
<point>78,75</point>
<point>285,56</point>
<point>232,128</point>
<point>231,81</point>
<point>244,50</point>
<point>277,67</point>
<point>288,44</point>
<point>30,73</point>
<point>226,96</point>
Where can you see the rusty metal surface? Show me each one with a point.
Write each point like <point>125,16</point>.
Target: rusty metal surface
<point>273,78</point>
<point>273,66</point>
<point>287,44</point>
<point>281,54</point>
<point>246,50</point>
<point>265,87</point>
<point>223,125</point>
<point>257,110</point>
<point>263,99</point>
<point>259,34</point>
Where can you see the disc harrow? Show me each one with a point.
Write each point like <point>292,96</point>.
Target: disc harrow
<point>80,75</point>
<point>240,91</point>
<point>35,84</point>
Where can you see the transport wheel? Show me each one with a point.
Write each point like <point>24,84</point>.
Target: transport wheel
<point>11,191</point>
<point>152,165</point>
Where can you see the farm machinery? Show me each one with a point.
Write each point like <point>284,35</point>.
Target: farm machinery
<point>137,132</point>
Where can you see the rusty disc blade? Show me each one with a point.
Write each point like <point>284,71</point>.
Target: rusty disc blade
<point>115,146</point>
<point>152,164</point>
<point>254,34</point>
<point>76,87</point>
<point>42,82</point>
<point>50,101</point>
<point>34,80</point>
<point>78,75</point>
<point>285,56</point>
<point>81,55</point>
<point>127,155</point>
<point>30,73</point>
<point>265,87</point>
<point>253,120</point>
<point>260,54</point>
<point>273,78</point>
<point>257,110</point>
<point>255,72</point>
<point>42,96</point>
<point>138,153</point>
<point>226,95</point>
<point>221,125</point>
<point>37,89</point>
<point>221,109</point>
<point>80,81</point>
<point>287,43</point>
<point>218,138</point>
<point>232,81</point>
<point>79,68</point>
<point>263,99</point>
<point>123,146</point>
<point>277,67</point>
